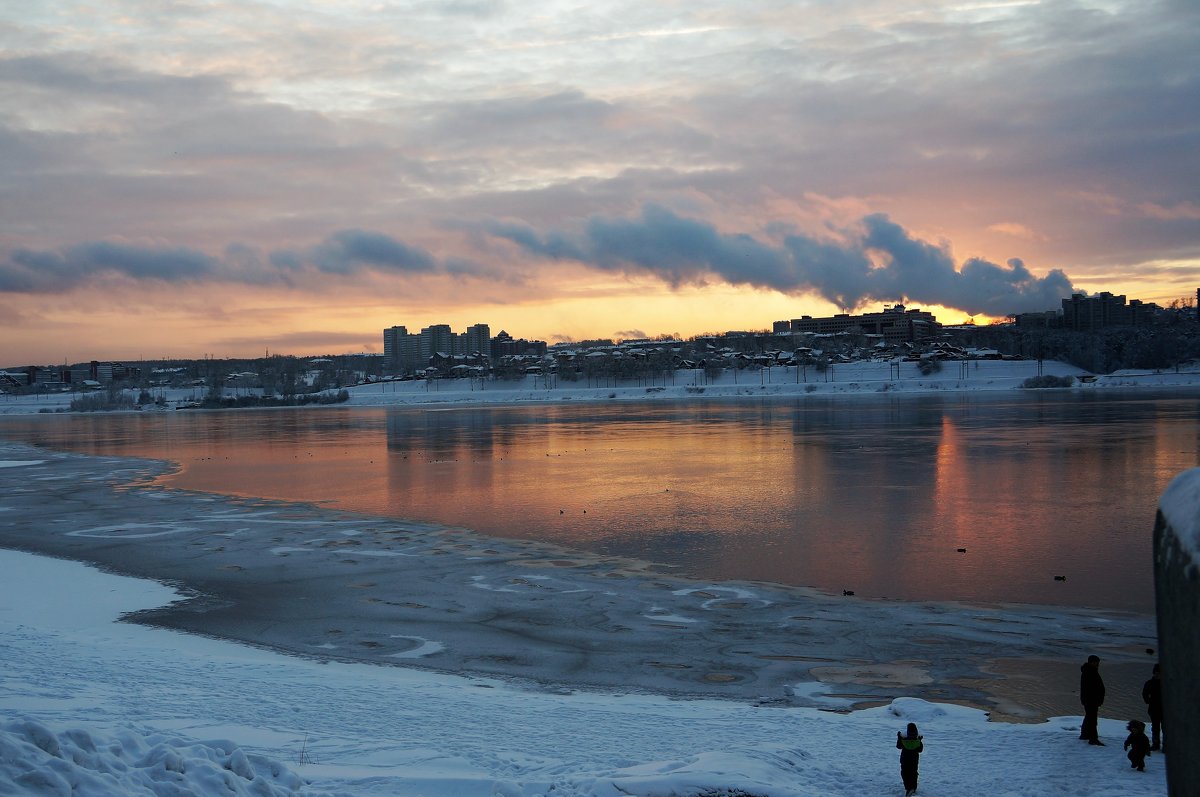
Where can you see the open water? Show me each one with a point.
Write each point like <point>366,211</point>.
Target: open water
<point>874,494</point>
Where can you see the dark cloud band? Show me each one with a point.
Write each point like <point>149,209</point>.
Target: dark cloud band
<point>31,271</point>
<point>343,253</point>
<point>878,262</point>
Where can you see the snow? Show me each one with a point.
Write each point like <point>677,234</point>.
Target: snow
<point>37,760</point>
<point>1180,505</point>
<point>864,377</point>
<point>867,377</point>
<point>90,707</point>
<point>842,379</point>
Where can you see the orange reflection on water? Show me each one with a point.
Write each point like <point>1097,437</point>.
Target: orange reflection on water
<point>873,495</point>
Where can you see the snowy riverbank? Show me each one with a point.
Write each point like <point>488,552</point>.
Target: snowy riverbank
<point>842,379</point>
<point>115,708</point>
<point>121,708</point>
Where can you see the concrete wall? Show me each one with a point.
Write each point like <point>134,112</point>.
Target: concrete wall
<point>1177,590</point>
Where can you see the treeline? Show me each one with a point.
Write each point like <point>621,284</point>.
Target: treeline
<point>114,400</point>
<point>212,402</point>
<point>109,401</point>
<point>1111,349</point>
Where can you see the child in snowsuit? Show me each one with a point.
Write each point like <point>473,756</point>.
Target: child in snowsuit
<point>1137,744</point>
<point>910,747</point>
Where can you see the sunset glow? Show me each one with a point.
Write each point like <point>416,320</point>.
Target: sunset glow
<point>294,176</point>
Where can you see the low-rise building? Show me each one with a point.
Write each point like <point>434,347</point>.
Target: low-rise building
<point>894,324</point>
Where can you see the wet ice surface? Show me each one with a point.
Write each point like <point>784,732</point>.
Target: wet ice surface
<point>336,586</point>
<point>94,707</point>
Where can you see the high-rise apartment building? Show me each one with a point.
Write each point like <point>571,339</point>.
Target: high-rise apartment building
<point>436,339</point>
<point>1089,313</point>
<point>477,339</point>
<point>404,352</point>
<point>391,346</point>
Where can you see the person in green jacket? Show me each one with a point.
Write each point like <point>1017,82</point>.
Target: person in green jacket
<point>910,746</point>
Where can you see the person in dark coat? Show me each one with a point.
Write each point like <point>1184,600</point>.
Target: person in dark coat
<point>1137,744</point>
<point>1091,695</point>
<point>910,746</point>
<point>1152,696</point>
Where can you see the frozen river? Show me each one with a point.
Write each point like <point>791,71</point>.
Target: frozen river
<point>871,494</point>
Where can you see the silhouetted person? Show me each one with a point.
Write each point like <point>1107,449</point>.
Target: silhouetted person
<point>910,747</point>
<point>1137,744</point>
<point>1091,695</point>
<point>1152,696</point>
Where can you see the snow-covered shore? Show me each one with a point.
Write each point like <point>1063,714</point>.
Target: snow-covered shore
<point>93,708</point>
<point>842,379</point>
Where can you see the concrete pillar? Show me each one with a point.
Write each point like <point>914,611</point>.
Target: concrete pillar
<point>1177,591</point>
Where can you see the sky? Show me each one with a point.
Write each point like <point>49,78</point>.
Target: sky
<point>192,179</point>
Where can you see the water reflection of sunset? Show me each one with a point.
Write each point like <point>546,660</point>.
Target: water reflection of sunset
<point>873,495</point>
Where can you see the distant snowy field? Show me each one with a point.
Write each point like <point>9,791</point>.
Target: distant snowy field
<point>93,707</point>
<point>841,379</point>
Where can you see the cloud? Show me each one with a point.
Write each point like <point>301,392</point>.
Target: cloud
<point>552,245</point>
<point>877,261</point>
<point>344,253</point>
<point>919,271</point>
<point>13,314</point>
<point>246,117</point>
<point>466,8</point>
<point>264,124</point>
<point>315,341</point>
<point>350,250</point>
<point>102,79</point>
<point>1016,230</point>
<point>30,271</point>
<point>681,250</point>
<point>519,119</point>
<point>1181,210</point>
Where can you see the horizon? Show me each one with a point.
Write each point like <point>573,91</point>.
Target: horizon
<point>613,339</point>
<point>314,355</point>
<point>236,178</point>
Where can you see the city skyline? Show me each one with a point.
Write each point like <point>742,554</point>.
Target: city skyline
<point>405,351</point>
<point>294,176</point>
